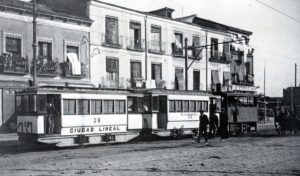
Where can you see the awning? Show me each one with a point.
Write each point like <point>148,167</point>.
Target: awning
<point>226,76</point>
<point>179,77</point>
<point>215,77</point>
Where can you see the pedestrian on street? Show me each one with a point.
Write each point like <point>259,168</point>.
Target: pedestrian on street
<point>203,126</point>
<point>213,124</point>
<point>223,124</point>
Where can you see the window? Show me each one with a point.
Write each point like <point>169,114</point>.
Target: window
<point>156,72</point>
<point>69,107</point>
<point>120,107</point>
<point>96,106</point>
<point>73,49</point>
<point>198,106</point>
<point>205,106</point>
<point>155,44</point>
<point>196,41</point>
<point>214,48</point>
<point>185,105</point>
<point>179,80</point>
<point>196,80</point>
<point>193,106</point>
<point>108,106</point>
<point>178,106</point>
<point>135,104</point>
<point>155,103</point>
<point>42,103</point>
<point>112,69</point>
<point>13,46</point>
<point>251,101</point>
<point>83,107</point>
<point>112,31</point>
<point>19,103</point>
<point>135,35</point>
<point>45,49</point>
<point>178,44</point>
<point>172,106</point>
<point>136,71</point>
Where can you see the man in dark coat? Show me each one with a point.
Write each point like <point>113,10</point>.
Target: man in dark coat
<point>203,126</point>
<point>223,124</point>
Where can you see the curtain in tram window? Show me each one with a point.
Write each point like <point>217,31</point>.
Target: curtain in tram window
<point>178,106</point>
<point>108,106</point>
<point>111,30</point>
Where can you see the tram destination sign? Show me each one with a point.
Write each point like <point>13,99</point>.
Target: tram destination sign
<point>93,130</point>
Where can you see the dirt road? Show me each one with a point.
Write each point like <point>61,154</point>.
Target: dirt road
<point>266,155</point>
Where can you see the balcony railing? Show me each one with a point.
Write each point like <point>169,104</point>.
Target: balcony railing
<point>47,67</point>
<point>119,83</point>
<point>135,44</point>
<point>248,80</point>
<point>221,87</point>
<point>110,40</point>
<point>156,47</point>
<point>13,64</point>
<point>220,57</point>
<point>68,72</point>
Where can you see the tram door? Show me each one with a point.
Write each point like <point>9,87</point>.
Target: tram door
<point>162,112</point>
<point>53,119</point>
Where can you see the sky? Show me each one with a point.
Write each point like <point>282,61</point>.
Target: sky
<point>276,38</point>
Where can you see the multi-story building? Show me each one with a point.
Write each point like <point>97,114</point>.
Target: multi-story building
<point>62,51</point>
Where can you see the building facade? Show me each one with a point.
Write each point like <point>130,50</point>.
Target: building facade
<point>62,42</point>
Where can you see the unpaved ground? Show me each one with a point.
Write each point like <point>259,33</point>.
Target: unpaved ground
<point>264,154</point>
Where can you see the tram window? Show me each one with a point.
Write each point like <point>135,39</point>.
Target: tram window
<point>178,106</point>
<point>255,101</point>
<point>25,104</point>
<point>130,102</point>
<point>232,101</point>
<point>108,106</point>
<point>172,106</point>
<point>96,106</point>
<point>147,103</point>
<point>243,101</point>
<point>198,106</point>
<point>193,106</point>
<point>163,104</point>
<point>155,103</point>
<point>32,103</point>
<point>218,104</point>
<point>251,101</point>
<point>119,106</point>
<point>185,105</point>
<point>205,106</point>
<point>42,103</point>
<point>83,107</point>
<point>69,107</point>
<point>18,103</point>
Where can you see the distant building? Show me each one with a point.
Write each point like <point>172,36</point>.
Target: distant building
<point>291,98</point>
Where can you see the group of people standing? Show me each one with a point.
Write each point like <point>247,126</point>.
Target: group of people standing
<point>213,123</point>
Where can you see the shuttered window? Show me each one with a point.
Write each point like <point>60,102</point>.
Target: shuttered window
<point>111,36</point>
<point>112,69</point>
<point>198,106</point>
<point>155,38</point>
<point>185,105</point>
<point>204,106</point>
<point>156,72</point>
<point>119,106</point>
<point>178,106</point>
<point>172,106</point>
<point>135,68</point>
<point>108,106</point>
<point>83,107</point>
<point>193,106</point>
<point>45,49</point>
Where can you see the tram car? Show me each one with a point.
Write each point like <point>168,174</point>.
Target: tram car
<point>241,109</point>
<point>170,112</point>
<point>73,116</point>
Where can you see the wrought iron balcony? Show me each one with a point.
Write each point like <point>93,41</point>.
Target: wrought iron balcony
<point>220,57</point>
<point>67,70</point>
<point>177,51</point>
<point>47,67</point>
<point>156,47</point>
<point>135,44</point>
<point>11,64</point>
<point>111,40</point>
<point>247,80</point>
<point>118,83</point>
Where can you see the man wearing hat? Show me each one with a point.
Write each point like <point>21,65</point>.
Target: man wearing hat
<point>203,126</point>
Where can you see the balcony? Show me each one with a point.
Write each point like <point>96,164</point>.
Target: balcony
<point>248,80</point>
<point>218,88</point>
<point>120,83</point>
<point>156,47</point>
<point>136,44</point>
<point>113,41</point>
<point>10,64</point>
<point>68,71</point>
<point>220,57</point>
<point>47,67</point>
<point>137,83</point>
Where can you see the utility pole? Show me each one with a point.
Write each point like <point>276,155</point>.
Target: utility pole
<point>186,63</point>
<point>34,44</point>
<point>295,75</point>
<point>206,66</point>
<point>146,49</point>
<point>265,93</point>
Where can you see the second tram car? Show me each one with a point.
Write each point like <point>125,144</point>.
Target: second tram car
<point>241,110</point>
